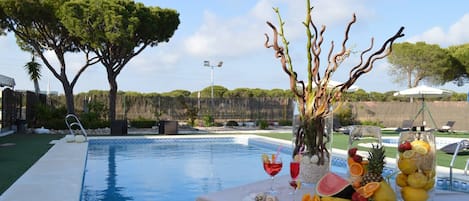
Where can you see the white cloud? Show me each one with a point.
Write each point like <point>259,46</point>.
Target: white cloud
<point>459,32</point>
<point>243,34</point>
<point>338,11</point>
<point>160,59</point>
<point>456,34</point>
<point>225,37</point>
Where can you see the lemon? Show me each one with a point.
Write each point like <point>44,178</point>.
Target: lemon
<point>417,180</point>
<point>430,173</point>
<point>298,184</point>
<point>407,166</point>
<point>401,180</point>
<point>413,194</point>
<point>430,184</point>
<point>420,146</point>
<point>420,149</point>
<point>384,192</point>
<point>408,153</point>
<point>333,199</point>
<point>265,158</point>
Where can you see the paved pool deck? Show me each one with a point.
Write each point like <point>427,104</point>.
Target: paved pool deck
<point>58,175</point>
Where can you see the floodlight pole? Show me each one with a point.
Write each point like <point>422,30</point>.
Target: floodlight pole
<point>207,64</point>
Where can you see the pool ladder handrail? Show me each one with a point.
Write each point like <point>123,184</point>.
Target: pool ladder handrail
<point>455,154</point>
<point>76,122</point>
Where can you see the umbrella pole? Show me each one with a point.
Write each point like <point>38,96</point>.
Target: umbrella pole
<point>431,117</point>
<point>422,110</point>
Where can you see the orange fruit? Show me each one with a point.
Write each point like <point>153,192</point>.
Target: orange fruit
<point>316,198</point>
<point>369,189</point>
<point>362,191</point>
<point>356,183</point>
<point>306,197</point>
<point>365,162</point>
<point>356,169</point>
<point>372,186</point>
<point>350,161</point>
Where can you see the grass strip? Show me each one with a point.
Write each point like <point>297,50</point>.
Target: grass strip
<point>19,154</point>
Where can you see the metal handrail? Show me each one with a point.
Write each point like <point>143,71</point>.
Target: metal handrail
<point>455,154</point>
<point>75,123</point>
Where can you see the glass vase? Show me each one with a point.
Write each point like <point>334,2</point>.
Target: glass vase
<point>312,140</point>
<point>416,161</point>
<point>361,139</point>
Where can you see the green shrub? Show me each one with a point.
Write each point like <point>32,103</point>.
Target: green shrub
<point>285,122</point>
<point>232,123</point>
<point>50,117</point>
<point>263,124</point>
<point>208,121</point>
<point>345,115</point>
<point>372,123</point>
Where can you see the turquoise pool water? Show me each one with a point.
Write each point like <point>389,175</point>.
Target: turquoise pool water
<point>172,169</point>
<point>179,169</point>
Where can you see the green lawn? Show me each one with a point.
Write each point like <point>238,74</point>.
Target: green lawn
<point>16,159</point>
<point>340,141</point>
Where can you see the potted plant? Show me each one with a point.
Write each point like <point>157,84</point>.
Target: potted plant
<point>316,97</point>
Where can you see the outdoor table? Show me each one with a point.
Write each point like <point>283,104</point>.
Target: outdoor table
<point>241,193</point>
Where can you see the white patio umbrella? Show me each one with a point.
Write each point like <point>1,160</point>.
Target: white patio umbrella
<point>423,92</point>
<point>333,83</point>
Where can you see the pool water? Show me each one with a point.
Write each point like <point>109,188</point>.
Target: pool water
<point>183,169</point>
<point>172,170</point>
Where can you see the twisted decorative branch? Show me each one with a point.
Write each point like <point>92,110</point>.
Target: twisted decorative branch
<point>314,105</point>
<point>322,97</point>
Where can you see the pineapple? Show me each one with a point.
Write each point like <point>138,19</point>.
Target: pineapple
<point>375,165</point>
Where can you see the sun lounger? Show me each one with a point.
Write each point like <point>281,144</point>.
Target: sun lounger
<point>406,125</point>
<point>451,148</point>
<point>448,127</point>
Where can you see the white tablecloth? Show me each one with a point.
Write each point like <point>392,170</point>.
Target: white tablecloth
<point>242,193</point>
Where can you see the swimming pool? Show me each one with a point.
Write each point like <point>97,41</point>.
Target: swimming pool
<point>173,169</point>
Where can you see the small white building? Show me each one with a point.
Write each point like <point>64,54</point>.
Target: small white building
<point>6,81</point>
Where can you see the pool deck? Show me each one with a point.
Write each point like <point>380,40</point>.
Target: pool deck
<point>58,175</point>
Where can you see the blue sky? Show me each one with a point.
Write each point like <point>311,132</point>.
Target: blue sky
<point>232,31</point>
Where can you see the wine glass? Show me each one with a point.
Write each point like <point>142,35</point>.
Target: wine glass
<point>294,172</point>
<point>272,166</point>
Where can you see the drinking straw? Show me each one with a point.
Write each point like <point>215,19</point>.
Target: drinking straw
<point>278,151</point>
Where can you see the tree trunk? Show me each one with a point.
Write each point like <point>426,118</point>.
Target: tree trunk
<point>68,90</point>
<point>112,97</point>
<point>36,87</point>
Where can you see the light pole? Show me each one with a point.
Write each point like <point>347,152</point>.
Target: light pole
<point>207,64</point>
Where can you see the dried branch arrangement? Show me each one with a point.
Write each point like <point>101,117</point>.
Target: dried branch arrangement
<point>314,97</point>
